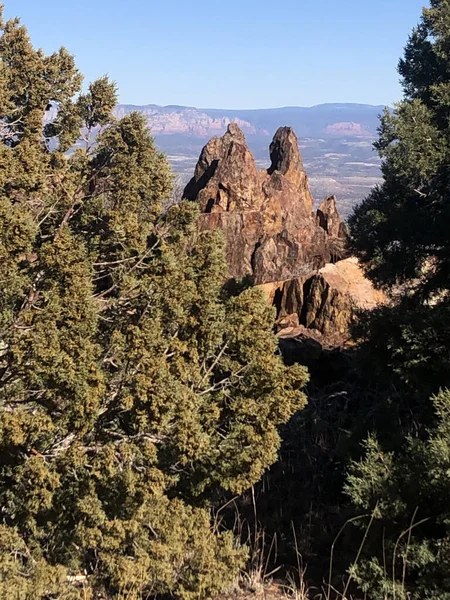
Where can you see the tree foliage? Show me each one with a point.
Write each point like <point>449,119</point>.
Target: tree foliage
<point>135,393</point>
<point>400,231</point>
<point>401,235</point>
<point>406,493</point>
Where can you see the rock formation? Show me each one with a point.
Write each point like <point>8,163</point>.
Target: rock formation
<point>272,235</point>
<point>324,301</point>
<point>184,120</point>
<point>266,216</point>
<point>328,218</point>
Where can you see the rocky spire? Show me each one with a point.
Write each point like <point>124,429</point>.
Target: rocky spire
<point>235,133</point>
<point>284,152</point>
<point>286,160</point>
<point>226,176</point>
<point>266,216</point>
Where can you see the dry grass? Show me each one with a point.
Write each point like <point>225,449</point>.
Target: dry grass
<point>272,591</point>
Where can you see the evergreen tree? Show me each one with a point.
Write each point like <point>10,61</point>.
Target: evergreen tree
<point>405,497</point>
<point>401,230</point>
<point>135,393</point>
<point>401,235</point>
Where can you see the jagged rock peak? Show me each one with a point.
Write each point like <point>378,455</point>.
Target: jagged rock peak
<point>226,177</point>
<point>284,152</point>
<point>267,217</point>
<point>236,133</point>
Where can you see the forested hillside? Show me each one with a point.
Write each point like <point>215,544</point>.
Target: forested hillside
<point>154,439</point>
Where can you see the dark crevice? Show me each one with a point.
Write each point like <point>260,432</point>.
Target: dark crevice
<point>277,300</point>
<point>253,258</point>
<point>209,205</point>
<point>194,187</point>
<point>306,290</point>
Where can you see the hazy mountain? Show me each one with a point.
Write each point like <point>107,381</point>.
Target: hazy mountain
<point>322,120</point>
<point>195,122</point>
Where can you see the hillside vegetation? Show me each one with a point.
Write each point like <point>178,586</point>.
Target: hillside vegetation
<point>135,393</point>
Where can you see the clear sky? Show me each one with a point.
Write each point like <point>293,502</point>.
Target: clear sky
<point>231,53</point>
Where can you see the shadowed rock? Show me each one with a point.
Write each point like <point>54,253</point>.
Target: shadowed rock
<point>328,218</point>
<point>324,302</point>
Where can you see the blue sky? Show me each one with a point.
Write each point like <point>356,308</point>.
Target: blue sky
<point>231,53</point>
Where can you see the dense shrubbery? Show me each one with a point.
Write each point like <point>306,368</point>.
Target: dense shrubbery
<point>134,392</point>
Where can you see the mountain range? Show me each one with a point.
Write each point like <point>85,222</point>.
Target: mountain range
<point>323,120</point>
<point>335,141</point>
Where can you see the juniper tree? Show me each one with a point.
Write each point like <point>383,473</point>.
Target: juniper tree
<point>404,497</point>
<point>135,393</point>
<point>401,235</point>
<point>400,231</point>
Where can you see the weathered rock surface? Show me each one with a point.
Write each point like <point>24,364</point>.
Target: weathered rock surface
<point>323,303</point>
<point>297,257</point>
<point>328,218</point>
<point>266,216</point>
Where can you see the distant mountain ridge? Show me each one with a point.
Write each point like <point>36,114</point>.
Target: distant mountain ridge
<point>185,120</point>
<point>323,120</point>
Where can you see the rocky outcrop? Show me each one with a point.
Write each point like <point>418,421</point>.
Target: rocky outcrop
<point>226,178</point>
<point>297,257</point>
<point>325,302</point>
<point>328,218</point>
<point>266,216</point>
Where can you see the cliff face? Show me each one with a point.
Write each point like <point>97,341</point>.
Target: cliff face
<point>298,257</point>
<point>270,229</point>
<point>183,120</point>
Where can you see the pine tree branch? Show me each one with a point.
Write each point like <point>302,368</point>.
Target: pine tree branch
<point>214,364</point>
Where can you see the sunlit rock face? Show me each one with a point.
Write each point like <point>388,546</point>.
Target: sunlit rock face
<point>267,216</point>
<point>296,256</point>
